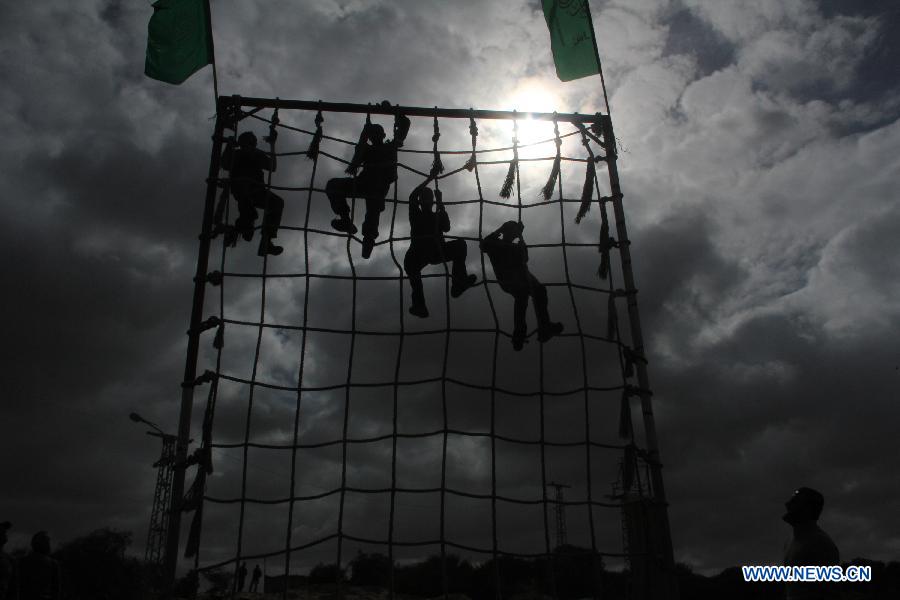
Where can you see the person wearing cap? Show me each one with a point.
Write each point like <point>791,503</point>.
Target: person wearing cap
<point>248,186</point>
<point>39,575</point>
<point>810,546</point>
<point>508,253</point>
<point>7,566</point>
<point>378,159</point>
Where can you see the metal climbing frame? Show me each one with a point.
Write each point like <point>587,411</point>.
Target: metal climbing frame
<point>657,562</point>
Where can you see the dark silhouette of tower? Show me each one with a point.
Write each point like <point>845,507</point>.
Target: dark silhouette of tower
<point>159,514</point>
<point>561,535</point>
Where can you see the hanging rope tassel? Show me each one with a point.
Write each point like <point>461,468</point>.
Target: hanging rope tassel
<point>547,191</point>
<point>313,151</point>
<point>506,190</point>
<point>437,167</point>
<point>203,457</point>
<point>629,462</point>
<point>611,316</point>
<point>206,448</point>
<point>473,160</point>
<point>607,242</point>
<point>625,426</point>
<point>603,271</point>
<point>632,357</point>
<point>219,215</point>
<point>273,125</point>
<point>219,340</point>
<point>214,278</point>
<point>587,192</point>
<point>192,546</point>
<point>195,492</point>
<point>206,325</point>
<point>629,362</point>
<point>360,148</point>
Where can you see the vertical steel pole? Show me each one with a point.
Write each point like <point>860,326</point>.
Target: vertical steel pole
<point>190,366</point>
<point>663,583</point>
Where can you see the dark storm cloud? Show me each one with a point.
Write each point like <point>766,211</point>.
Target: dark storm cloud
<point>690,35</point>
<point>759,160</point>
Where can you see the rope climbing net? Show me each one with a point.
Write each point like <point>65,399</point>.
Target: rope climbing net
<point>337,421</point>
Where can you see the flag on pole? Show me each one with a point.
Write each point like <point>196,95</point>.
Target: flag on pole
<point>572,38</point>
<point>179,40</point>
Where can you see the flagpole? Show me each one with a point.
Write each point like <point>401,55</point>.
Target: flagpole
<point>596,56</point>
<point>212,51</point>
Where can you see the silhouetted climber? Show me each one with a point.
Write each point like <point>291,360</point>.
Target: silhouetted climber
<point>509,258</point>
<point>7,566</point>
<point>241,577</point>
<point>248,186</point>
<point>378,160</point>
<point>38,573</point>
<point>810,546</point>
<point>254,582</point>
<point>428,247</point>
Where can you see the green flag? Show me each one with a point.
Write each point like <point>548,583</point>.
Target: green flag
<point>571,38</point>
<point>179,40</point>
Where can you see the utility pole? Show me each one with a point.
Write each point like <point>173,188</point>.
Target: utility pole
<point>157,535</point>
<point>159,515</point>
<point>561,534</point>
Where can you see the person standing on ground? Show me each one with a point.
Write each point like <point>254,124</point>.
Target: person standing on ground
<point>810,546</point>
<point>254,582</point>
<point>38,572</point>
<point>242,577</point>
<point>7,566</point>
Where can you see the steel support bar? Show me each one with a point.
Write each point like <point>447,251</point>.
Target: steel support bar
<point>663,584</point>
<point>409,111</point>
<point>190,366</point>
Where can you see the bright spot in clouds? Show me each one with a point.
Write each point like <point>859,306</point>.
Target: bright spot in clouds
<point>531,96</point>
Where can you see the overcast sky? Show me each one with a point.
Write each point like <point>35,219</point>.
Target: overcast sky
<point>759,159</point>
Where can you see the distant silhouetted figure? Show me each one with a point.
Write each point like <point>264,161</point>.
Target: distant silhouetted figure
<point>810,546</point>
<point>248,185</point>
<point>378,159</point>
<point>241,577</point>
<point>7,566</point>
<point>38,573</point>
<point>509,259</point>
<point>254,582</point>
<point>428,247</point>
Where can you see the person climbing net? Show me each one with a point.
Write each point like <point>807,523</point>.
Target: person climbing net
<point>509,256</point>
<point>428,246</point>
<point>378,160</point>
<point>246,164</point>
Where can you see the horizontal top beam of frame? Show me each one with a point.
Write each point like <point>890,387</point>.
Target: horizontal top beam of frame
<point>410,111</point>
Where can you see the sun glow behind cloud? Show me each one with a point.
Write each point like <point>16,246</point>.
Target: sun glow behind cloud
<point>532,96</point>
